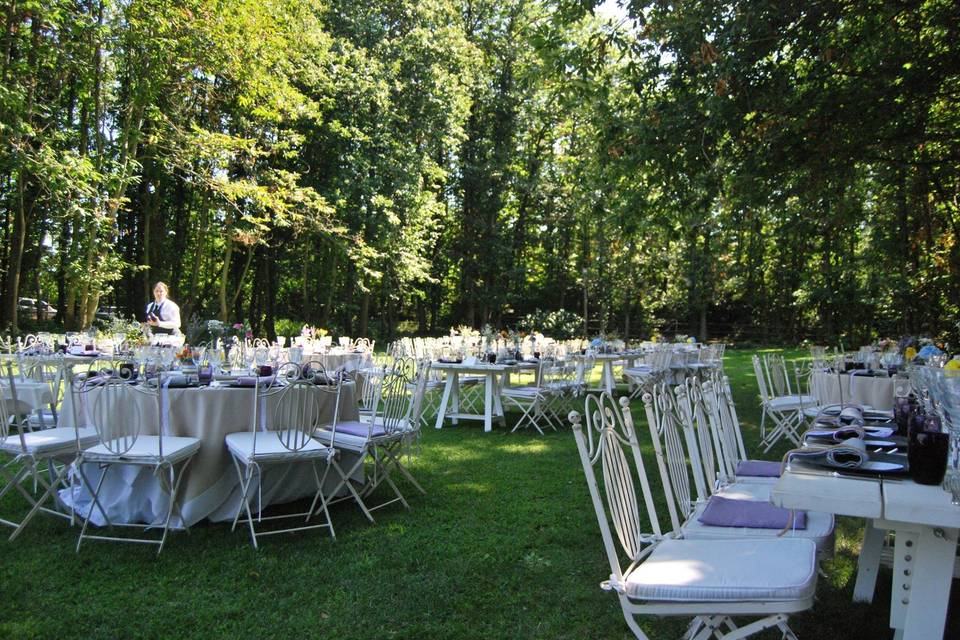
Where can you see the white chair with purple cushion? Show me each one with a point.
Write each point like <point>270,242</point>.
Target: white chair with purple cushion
<point>669,574</point>
<point>703,509</point>
<point>395,423</point>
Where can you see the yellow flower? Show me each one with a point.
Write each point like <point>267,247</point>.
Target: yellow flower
<point>953,365</point>
<point>910,353</point>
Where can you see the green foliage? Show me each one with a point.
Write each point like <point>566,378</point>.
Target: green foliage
<point>748,169</point>
<point>562,325</point>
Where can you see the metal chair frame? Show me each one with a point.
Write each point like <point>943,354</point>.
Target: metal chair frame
<point>609,431</point>
<point>118,436</point>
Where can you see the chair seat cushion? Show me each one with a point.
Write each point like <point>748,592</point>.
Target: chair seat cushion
<point>819,525</point>
<point>270,447</point>
<point>726,570</point>
<point>759,468</point>
<point>49,442</point>
<point>146,449</point>
<point>356,436</point>
<point>525,391</point>
<point>791,403</point>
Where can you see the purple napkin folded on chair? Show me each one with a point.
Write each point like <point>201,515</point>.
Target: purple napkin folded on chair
<point>756,514</point>
<point>759,468</point>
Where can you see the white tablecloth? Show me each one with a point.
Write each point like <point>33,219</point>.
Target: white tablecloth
<point>210,487</point>
<point>36,395</point>
<point>878,392</point>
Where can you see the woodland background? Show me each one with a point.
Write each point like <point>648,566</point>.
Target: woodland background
<point>749,169</point>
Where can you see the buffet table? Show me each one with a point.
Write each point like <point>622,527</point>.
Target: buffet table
<point>210,487</point>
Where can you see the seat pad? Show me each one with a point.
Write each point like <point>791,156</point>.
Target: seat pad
<point>146,449</point>
<point>51,441</point>
<point>686,570</point>
<point>269,447</point>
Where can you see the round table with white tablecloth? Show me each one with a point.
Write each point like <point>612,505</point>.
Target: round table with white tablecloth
<point>210,487</point>
<point>876,391</point>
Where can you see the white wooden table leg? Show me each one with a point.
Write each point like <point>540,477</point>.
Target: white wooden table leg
<point>447,389</point>
<point>455,396</point>
<point>934,552</point>
<point>608,381</point>
<point>869,563</point>
<point>498,404</point>
<point>488,402</point>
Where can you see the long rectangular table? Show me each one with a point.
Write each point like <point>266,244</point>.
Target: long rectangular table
<point>926,527</point>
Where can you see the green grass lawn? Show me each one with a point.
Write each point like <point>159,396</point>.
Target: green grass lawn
<point>504,545</point>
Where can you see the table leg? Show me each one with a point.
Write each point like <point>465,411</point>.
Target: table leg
<point>934,554</point>
<point>498,405</point>
<point>869,563</point>
<point>608,381</point>
<point>455,396</point>
<point>447,391</point>
<point>488,402</point>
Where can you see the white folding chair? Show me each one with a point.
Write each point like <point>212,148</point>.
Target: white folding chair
<point>785,410</point>
<point>395,420</point>
<point>285,440</point>
<point>668,574</point>
<point>113,406</point>
<point>532,401</point>
<point>29,452</point>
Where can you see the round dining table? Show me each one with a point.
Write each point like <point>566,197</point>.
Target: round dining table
<point>210,487</point>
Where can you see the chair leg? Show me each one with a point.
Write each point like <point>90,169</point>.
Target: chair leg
<point>94,503</point>
<point>39,503</point>
<point>345,481</point>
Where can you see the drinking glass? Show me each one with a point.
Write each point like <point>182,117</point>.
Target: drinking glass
<point>215,357</point>
<point>295,354</point>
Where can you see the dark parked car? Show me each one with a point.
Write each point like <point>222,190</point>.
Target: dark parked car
<point>106,313</point>
<point>35,309</point>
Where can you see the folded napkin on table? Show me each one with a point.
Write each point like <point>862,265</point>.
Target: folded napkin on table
<point>756,514</point>
<point>851,454</point>
<point>251,381</point>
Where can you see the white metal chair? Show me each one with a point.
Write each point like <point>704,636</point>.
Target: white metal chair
<point>684,450</point>
<point>784,410</point>
<point>113,404</point>
<point>29,452</point>
<point>287,439</point>
<point>395,422</point>
<point>667,574</point>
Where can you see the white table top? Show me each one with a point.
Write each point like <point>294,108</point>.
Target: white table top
<point>826,491</point>
<point>907,501</point>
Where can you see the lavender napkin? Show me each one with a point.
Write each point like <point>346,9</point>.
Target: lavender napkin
<point>758,469</point>
<point>724,512</point>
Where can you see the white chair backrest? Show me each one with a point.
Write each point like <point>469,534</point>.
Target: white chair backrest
<point>113,407</point>
<point>761,377</point>
<point>609,433</point>
<point>297,414</point>
<point>696,426</point>
<point>6,405</point>
<point>668,437</point>
<point>392,406</point>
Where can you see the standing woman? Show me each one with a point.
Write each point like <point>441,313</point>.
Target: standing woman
<point>163,314</point>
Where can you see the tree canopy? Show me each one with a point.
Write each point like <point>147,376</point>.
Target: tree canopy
<point>740,168</point>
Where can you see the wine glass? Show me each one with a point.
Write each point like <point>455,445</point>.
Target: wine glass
<point>166,358</point>
<point>215,358</point>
